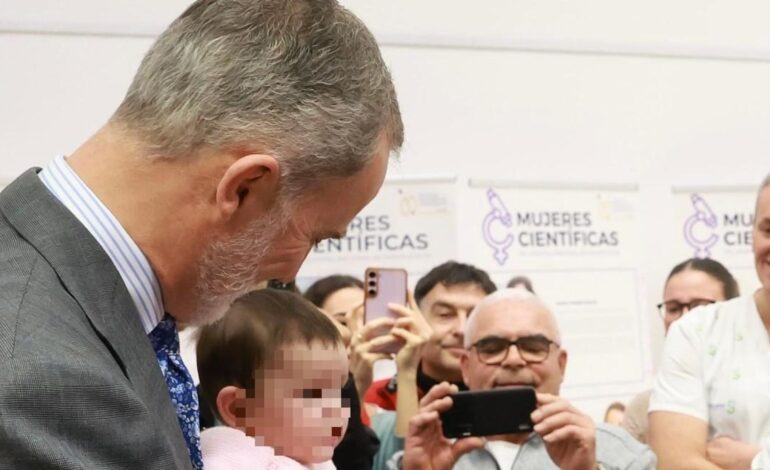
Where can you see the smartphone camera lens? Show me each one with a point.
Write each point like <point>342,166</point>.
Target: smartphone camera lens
<point>372,292</point>
<point>372,283</point>
<point>372,274</point>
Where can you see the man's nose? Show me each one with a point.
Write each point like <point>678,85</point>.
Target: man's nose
<point>459,326</point>
<point>513,358</point>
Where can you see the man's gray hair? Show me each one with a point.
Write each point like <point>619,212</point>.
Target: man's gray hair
<point>302,80</point>
<point>512,295</point>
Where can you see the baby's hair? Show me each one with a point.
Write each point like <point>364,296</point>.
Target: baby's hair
<point>234,350</point>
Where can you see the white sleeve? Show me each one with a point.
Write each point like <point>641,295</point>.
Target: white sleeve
<point>679,386</point>
<point>762,459</point>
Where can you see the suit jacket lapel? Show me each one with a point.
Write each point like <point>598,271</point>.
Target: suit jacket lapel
<point>88,274</point>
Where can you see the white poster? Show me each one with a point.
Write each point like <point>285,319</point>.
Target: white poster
<point>580,248</point>
<point>717,223</point>
<point>411,224</point>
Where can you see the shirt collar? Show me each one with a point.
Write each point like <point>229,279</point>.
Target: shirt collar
<point>132,265</point>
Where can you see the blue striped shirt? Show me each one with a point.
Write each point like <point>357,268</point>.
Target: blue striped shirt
<point>132,265</point>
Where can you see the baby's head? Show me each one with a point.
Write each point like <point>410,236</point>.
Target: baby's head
<point>274,368</point>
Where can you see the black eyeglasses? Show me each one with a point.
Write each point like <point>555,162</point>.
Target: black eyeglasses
<point>673,309</point>
<point>493,350</point>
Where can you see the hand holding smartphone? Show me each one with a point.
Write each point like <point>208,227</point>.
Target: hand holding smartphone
<point>489,412</point>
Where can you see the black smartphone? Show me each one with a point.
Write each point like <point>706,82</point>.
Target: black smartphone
<point>490,412</point>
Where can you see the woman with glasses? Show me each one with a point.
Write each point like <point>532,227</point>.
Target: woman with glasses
<point>710,406</point>
<point>692,283</point>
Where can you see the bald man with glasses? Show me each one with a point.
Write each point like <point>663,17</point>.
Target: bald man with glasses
<point>512,339</point>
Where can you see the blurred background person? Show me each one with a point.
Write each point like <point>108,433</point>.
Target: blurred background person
<point>615,413</point>
<point>692,283</point>
<point>710,405</point>
<point>513,339</point>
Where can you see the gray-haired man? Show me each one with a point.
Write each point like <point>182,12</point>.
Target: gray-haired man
<point>253,128</point>
<point>512,339</point>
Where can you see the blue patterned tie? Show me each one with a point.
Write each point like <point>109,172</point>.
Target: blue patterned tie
<point>165,342</point>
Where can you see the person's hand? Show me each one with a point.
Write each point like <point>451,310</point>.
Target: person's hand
<point>362,348</point>
<point>413,329</point>
<point>569,435</point>
<point>425,447</point>
<point>730,454</point>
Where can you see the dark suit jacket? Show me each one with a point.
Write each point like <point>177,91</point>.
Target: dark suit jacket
<point>80,386</point>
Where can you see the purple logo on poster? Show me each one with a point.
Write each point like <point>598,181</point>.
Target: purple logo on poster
<point>498,214</point>
<point>705,217</point>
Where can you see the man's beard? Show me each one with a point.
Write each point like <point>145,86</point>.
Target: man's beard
<point>229,268</point>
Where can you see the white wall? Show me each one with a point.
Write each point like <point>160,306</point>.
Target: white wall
<point>652,93</point>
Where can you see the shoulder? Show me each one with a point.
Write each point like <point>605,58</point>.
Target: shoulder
<point>225,448</point>
<point>710,320</point>
<point>618,449</point>
<point>37,314</point>
<point>384,421</point>
<point>640,401</point>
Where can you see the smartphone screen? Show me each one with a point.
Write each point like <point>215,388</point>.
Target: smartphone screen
<point>490,412</point>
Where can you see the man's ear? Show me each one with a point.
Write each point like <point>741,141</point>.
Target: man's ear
<point>562,363</point>
<point>464,365</point>
<point>251,175</point>
<point>231,406</point>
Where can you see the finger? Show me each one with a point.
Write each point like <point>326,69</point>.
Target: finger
<point>441,405</point>
<point>416,323</point>
<point>568,433</point>
<point>563,420</point>
<point>438,391</point>
<point>411,302</point>
<point>375,343</point>
<point>465,445</point>
<point>401,310</point>
<point>546,398</point>
<point>409,338</point>
<point>371,358</point>
<point>404,322</point>
<point>551,407</point>
<point>423,421</point>
<point>367,331</point>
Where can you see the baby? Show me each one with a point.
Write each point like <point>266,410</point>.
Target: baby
<point>272,370</point>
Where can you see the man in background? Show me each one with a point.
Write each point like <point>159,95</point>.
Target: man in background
<point>512,339</point>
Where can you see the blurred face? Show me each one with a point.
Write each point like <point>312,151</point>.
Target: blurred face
<point>614,416</point>
<point>761,242</point>
<point>341,303</point>
<point>301,413</point>
<point>446,309</point>
<point>688,287</point>
<point>274,247</point>
<point>513,320</point>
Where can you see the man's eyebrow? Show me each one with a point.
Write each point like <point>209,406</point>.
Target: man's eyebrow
<point>443,304</point>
